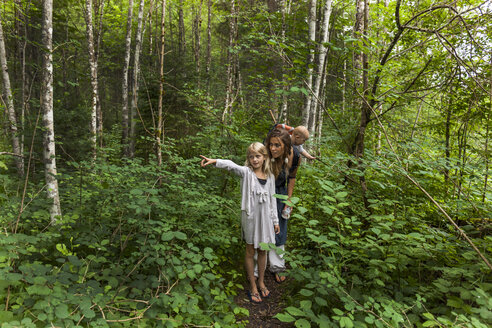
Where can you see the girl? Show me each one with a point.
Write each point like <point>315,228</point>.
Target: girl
<point>285,162</point>
<point>258,211</point>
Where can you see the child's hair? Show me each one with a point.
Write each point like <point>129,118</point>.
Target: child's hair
<point>278,163</point>
<point>258,147</point>
<point>301,130</point>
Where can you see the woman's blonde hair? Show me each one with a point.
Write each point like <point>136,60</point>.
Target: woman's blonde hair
<point>257,147</point>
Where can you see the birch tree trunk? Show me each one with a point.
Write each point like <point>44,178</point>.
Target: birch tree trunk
<point>16,145</point>
<point>49,155</point>
<point>93,67</point>
<point>312,39</point>
<point>282,117</point>
<point>230,63</point>
<point>98,36</point>
<point>124,108</point>
<point>321,66</point>
<point>160,128</point>
<point>209,43</point>
<point>447,147</point>
<point>151,11</point>
<point>487,141</point>
<point>136,72</point>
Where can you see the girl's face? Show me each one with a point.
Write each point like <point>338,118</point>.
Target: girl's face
<point>276,147</point>
<point>256,160</point>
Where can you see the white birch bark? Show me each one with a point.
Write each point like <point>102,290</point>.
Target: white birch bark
<point>16,145</point>
<point>47,108</point>
<point>151,39</point>
<point>321,66</point>
<point>93,68</point>
<point>98,37</point>
<point>136,72</point>
<point>282,117</point>
<point>230,63</point>
<point>124,86</point>
<point>306,113</point>
<point>209,42</point>
<point>160,127</point>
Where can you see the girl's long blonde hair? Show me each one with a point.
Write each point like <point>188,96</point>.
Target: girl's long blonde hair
<point>258,147</point>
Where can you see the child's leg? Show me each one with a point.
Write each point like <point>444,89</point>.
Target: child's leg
<point>249,263</point>
<point>261,267</point>
<point>262,259</point>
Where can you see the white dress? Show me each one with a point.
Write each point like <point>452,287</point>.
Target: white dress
<point>258,206</point>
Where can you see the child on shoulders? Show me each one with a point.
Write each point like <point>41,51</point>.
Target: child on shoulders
<point>298,135</point>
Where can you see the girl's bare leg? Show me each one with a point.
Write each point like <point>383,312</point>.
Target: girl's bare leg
<point>261,268</point>
<point>249,263</point>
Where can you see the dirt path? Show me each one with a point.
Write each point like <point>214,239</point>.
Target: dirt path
<point>261,315</point>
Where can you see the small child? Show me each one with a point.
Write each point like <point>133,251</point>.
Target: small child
<point>298,135</point>
<point>259,221</point>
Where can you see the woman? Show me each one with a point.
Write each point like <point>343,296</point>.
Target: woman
<point>285,162</point>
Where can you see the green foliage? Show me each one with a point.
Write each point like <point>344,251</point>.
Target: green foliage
<point>131,249</point>
<point>394,265</point>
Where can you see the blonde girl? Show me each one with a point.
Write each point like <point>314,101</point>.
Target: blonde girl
<point>259,222</point>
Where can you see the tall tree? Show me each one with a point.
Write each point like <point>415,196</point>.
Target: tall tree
<point>306,114</point>
<point>181,28</point>
<point>124,84</point>
<point>9,99</point>
<point>94,81</point>
<point>49,155</point>
<point>136,73</point>
<point>197,27</point>
<point>283,114</point>
<point>231,62</point>
<point>209,42</point>
<point>321,74</point>
<point>160,127</point>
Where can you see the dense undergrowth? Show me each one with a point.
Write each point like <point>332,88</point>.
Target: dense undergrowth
<point>147,246</point>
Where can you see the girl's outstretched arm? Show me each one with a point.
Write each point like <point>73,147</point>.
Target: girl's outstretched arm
<point>207,161</point>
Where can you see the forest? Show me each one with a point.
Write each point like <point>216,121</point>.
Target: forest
<point>108,220</point>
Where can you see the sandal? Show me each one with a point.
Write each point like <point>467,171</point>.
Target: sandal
<point>279,279</point>
<point>253,296</point>
<point>265,293</point>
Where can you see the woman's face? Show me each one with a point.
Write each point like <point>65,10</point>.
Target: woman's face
<point>276,147</point>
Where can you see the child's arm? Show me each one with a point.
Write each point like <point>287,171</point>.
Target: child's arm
<point>285,127</point>
<point>307,155</point>
<point>224,164</point>
<point>273,206</point>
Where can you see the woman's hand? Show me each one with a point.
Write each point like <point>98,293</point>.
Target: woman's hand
<point>276,228</point>
<point>207,161</point>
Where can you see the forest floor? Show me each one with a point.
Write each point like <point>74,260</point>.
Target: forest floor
<point>262,315</point>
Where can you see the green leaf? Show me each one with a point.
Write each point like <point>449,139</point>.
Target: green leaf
<point>295,311</point>
<point>428,316</point>
<point>341,195</point>
<point>61,311</point>
<point>303,323</point>
<point>346,322</point>
<point>284,317</point>
<point>306,292</point>
<point>321,301</point>
<point>180,235</point>
<point>337,311</point>
<point>167,236</point>
<point>429,323</point>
